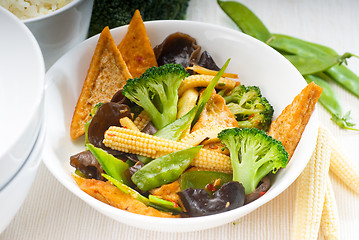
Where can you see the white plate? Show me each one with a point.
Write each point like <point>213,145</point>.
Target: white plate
<point>256,64</point>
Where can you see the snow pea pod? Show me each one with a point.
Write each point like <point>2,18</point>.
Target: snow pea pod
<point>111,165</point>
<point>245,19</point>
<point>152,201</point>
<point>311,65</point>
<point>164,169</point>
<point>204,179</point>
<point>330,102</point>
<point>345,77</point>
<point>298,46</point>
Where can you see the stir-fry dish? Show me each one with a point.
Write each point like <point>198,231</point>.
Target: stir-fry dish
<point>168,133</point>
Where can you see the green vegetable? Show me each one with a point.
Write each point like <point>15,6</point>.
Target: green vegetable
<point>111,165</point>
<point>310,65</point>
<point>245,19</point>
<point>167,205</point>
<point>307,57</point>
<point>152,201</point>
<point>346,78</point>
<point>174,130</point>
<point>206,95</point>
<point>157,92</point>
<point>164,169</point>
<point>202,179</point>
<point>330,102</point>
<point>253,154</point>
<point>114,13</point>
<point>126,189</point>
<point>249,107</point>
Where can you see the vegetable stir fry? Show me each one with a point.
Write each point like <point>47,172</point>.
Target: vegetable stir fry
<point>180,140</point>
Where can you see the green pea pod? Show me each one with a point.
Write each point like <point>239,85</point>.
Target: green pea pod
<point>164,169</point>
<point>126,189</point>
<point>201,179</point>
<point>206,95</point>
<point>345,77</point>
<point>167,205</point>
<point>330,102</point>
<point>297,46</point>
<point>111,165</point>
<point>86,131</point>
<point>245,19</point>
<point>152,201</point>
<point>174,130</point>
<point>311,65</point>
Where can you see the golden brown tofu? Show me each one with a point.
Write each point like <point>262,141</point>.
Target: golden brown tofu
<point>109,194</point>
<point>290,124</point>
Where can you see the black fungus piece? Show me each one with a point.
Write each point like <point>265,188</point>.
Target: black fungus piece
<point>177,48</point>
<point>119,98</point>
<point>108,114</point>
<point>263,187</point>
<point>149,129</point>
<point>207,61</point>
<point>197,202</point>
<point>86,163</point>
<point>131,170</point>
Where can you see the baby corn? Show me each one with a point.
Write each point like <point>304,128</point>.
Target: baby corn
<point>194,81</point>
<point>142,120</point>
<point>131,141</point>
<point>343,167</point>
<point>311,187</point>
<point>126,122</point>
<point>329,222</point>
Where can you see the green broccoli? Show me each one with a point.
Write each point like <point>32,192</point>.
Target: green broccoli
<point>157,92</point>
<point>253,154</point>
<point>250,108</point>
<point>114,13</point>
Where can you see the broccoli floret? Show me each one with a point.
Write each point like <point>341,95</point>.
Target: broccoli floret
<point>250,108</point>
<point>114,13</point>
<point>157,92</point>
<point>253,154</point>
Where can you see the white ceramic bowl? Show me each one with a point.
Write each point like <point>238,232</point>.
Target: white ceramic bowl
<point>22,75</point>
<point>59,31</point>
<point>256,64</point>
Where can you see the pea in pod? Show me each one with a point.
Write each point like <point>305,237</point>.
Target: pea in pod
<point>202,179</point>
<point>245,19</point>
<point>111,165</point>
<point>308,58</point>
<point>164,169</point>
<point>345,77</point>
<point>329,101</point>
<point>152,201</point>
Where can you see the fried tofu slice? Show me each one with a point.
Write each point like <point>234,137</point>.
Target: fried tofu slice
<point>290,124</point>
<point>136,48</point>
<point>215,117</point>
<point>168,192</point>
<point>215,114</point>
<point>110,194</point>
<point>106,75</point>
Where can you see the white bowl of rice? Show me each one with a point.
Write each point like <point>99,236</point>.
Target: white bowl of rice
<point>58,25</point>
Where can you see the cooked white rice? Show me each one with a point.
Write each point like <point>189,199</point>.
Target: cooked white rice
<point>25,9</point>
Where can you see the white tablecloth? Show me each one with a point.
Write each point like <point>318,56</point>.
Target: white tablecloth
<point>52,212</point>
